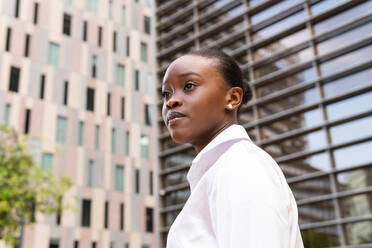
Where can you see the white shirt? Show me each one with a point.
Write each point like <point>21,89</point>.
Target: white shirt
<point>239,198</point>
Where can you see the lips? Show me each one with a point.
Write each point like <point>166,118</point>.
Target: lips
<point>173,115</point>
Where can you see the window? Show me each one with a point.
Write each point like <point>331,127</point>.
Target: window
<point>94,244</point>
<point>61,129</point>
<point>120,74</point>
<point>66,24</point>
<point>113,140</point>
<point>121,216</point>
<point>110,9</point>
<point>97,136</point>
<point>149,220</point>
<point>7,115</point>
<point>122,108</point>
<point>14,78</point>
<point>114,41</point>
<point>364,233</point>
<point>65,96</point>
<point>90,173</point>
<point>42,86</point>
<point>46,161</point>
<point>151,182</point>
<point>112,244</point>
<point>8,36</point>
<point>143,51</point>
<point>350,106</point>
<point>106,213</point>
<point>54,243</point>
<point>92,6</point>
<point>123,15</point>
<point>137,181</point>
<point>76,244</point>
<point>147,24</point>
<point>36,12</point>
<point>147,115</point>
<point>16,10</point>
<point>354,155</point>
<point>324,6</point>
<point>128,46</point>
<point>99,36</point>
<point>90,99</point>
<point>145,246</point>
<point>344,61</point>
<point>81,133</point>
<point>346,38</point>
<point>94,66</point>
<point>137,79</point>
<point>27,45</point>
<point>347,83</point>
<point>59,212</point>
<point>85,30</point>
<point>144,146</point>
<point>127,143</point>
<point>27,121</point>
<point>108,111</point>
<point>119,178</point>
<point>126,245</point>
<point>53,57</point>
<point>85,217</point>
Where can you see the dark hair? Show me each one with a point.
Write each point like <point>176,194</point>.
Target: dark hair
<point>229,69</point>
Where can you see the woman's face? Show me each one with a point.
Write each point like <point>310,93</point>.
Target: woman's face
<point>194,95</point>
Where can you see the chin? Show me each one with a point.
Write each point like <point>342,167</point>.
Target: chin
<point>178,136</point>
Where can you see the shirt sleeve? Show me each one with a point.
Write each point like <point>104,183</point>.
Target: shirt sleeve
<point>248,206</point>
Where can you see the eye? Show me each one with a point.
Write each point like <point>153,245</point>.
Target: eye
<point>165,94</point>
<point>189,86</point>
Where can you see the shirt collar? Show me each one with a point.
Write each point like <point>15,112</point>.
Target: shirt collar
<point>210,153</point>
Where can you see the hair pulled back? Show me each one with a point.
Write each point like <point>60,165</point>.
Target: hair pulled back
<point>229,69</point>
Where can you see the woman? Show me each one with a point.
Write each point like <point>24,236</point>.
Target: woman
<point>239,196</point>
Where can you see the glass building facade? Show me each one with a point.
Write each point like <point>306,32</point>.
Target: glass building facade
<point>309,65</point>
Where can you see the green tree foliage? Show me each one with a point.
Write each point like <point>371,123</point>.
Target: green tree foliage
<point>24,188</point>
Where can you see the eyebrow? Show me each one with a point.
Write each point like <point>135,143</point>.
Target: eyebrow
<point>190,73</point>
<point>185,75</point>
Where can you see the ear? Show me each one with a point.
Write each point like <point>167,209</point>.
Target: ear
<point>234,98</point>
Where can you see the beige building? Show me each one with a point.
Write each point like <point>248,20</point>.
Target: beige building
<point>76,76</point>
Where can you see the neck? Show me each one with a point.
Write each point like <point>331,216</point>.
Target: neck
<point>199,147</point>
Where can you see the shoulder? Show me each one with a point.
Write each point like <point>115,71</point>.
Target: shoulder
<point>246,156</point>
<point>247,177</point>
<point>246,165</point>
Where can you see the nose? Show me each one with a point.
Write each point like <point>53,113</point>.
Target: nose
<point>173,102</point>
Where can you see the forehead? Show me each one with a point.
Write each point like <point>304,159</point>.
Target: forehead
<point>192,63</point>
